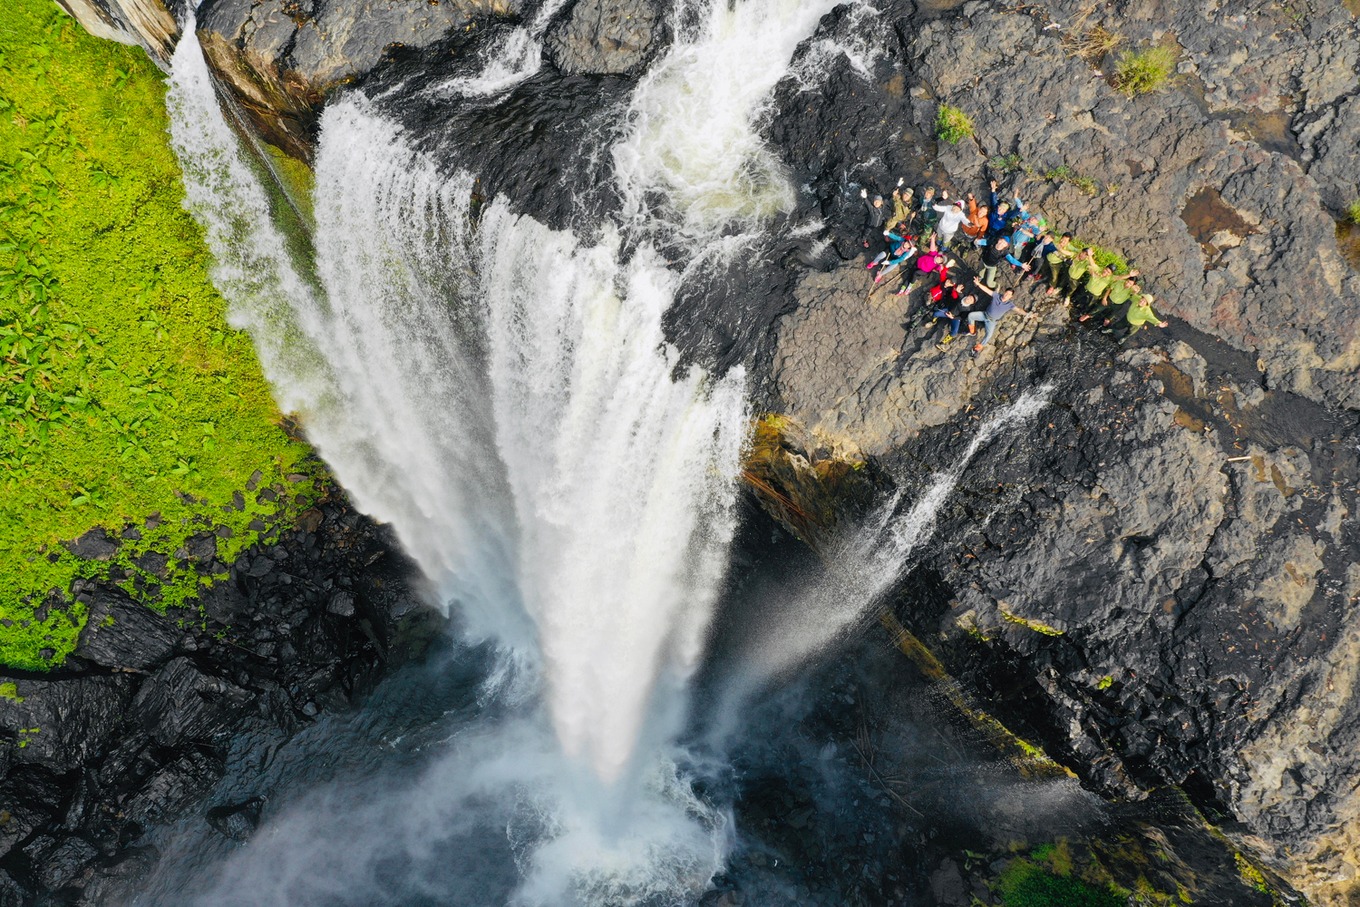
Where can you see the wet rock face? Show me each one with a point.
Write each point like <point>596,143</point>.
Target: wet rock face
<point>132,730</point>
<point>282,58</point>
<point>606,36</point>
<point>1164,566</point>
<point>154,24</point>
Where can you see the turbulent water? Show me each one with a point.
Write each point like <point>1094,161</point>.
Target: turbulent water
<point>502,394</point>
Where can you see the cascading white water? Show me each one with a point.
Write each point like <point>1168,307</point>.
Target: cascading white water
<point>692,126</point>
<point>503,396</point>
<point>867,562</point>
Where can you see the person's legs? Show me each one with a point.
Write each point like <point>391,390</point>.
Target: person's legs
<point>989,275</point>
<point>973,319</point>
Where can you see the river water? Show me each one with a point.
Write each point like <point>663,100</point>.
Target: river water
<point>503,395</point>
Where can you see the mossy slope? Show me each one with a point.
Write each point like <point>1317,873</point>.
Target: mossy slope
<point>123,393</point>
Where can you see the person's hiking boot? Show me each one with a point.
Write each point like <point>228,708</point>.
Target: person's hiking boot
<point>948,338</point>
<point>977,348</point>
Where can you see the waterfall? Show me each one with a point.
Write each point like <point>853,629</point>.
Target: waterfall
<point>691,132</point>
<point>503,396</point>
<point>866,563</point>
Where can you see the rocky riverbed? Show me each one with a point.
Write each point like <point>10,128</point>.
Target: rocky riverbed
<point>1160,580</point>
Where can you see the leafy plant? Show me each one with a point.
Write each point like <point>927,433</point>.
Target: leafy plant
<point>1025,884</point>
<point>1353,212</point>
<point>952,125</point>
<point>1144,71</point>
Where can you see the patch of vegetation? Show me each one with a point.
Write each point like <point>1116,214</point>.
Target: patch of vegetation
<point>126,402</point>
<point>952,125</point>
<point>1353,212</point>
<point>1144,71</point>
<point>1105,683</point>
<point>1008,163</point>
<point>10,690</point>
<point>1105,258</point>
<point>1026,884</point>
<point>1065,174</point>
<point>1094,44</point>
<point>1029,624</point>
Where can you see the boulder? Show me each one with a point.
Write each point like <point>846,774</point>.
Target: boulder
<point>61,724</point>
<point>282,58</point>
<point>606,36</point>
<point>122,634</point>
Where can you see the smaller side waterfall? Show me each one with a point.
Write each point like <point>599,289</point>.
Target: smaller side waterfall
<point>692,136</point>
<point>866,563</point>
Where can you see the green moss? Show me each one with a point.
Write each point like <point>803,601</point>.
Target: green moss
<point>1035,625</point>
<point>1144,71</point>
<point>952,125</point>
<point>298,182</point>
<point>1026,884</point>
<point>123,393</point>
<point>1353,212</point>
<point>1105,683</point>
<point>10,690</point>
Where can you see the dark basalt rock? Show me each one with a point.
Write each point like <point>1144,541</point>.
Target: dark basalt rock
<point>95,545</point>
<point>132,731</point>
<point>121,634</point>
<point>606,36</point>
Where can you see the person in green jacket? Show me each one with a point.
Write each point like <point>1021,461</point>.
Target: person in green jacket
<point>1121,290</point>
<point>901,199</point>
<point>1056,261</point>
<point>1092,296</point>
<point>1140,314</point>
<point>1077,270</point>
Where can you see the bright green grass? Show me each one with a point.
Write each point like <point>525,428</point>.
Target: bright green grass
<point>123,393</point>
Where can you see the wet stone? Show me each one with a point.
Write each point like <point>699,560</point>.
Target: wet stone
<point>236,821</point>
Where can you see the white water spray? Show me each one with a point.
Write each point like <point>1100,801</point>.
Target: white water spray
<point>693,125</point>
<point>503,396</point>
<point>867,562</point>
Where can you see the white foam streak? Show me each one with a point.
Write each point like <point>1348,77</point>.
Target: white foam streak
<point>693,137</point>
<point>868,562</point>
<point>514,58</point>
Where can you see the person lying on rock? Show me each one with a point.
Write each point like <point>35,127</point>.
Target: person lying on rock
<point>1026,230</point>
<point>954,313</point>
<point>1121,290</point>
<point>1040,249</point>
<point>874,218</point>
<point>1077,269</point>
<point>975,226</point>
<point>925,209</point>
<point>999,217</point>
<point>901,199</point>
<point>1092,296</point>
<point>900,249</point>
<point>1000,306</point>
<point>931,270</point>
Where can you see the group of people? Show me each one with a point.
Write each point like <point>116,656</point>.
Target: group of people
<point>909,242</point>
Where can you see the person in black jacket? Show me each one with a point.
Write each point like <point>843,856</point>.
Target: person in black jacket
<point>875,216</point>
